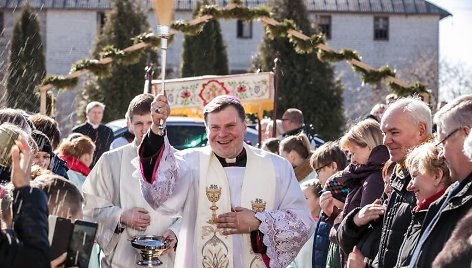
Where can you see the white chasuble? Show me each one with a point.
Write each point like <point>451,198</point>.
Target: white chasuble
<point>215,250</point>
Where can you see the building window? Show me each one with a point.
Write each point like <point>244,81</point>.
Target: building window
<point>380,28</point>
<point>101,19</point>
<point>244,29</point>
<point>324,25</point>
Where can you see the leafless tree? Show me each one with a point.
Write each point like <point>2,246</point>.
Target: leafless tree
<point>455,79</point>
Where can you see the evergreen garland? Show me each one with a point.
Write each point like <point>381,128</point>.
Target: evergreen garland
<point>60,81</point>
<point>237,11</point>
<point>306,46</point>
<point>375,75</point>
<point>415,89</point>
<point>187,28</point>
<point>333,56</point>
<point>120,56</point>
<point>94,66</point>
<point>151,40</point>
<point>280,30</point>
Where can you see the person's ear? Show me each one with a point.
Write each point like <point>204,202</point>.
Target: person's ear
<point>422,131</point>
<point>438,176</point>
<point>334,165</point>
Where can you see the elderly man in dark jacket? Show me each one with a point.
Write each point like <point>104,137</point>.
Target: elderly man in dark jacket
<point>405,124</point>
<point>454,123</point>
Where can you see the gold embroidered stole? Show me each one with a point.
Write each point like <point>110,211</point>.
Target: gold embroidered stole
<point>215,250</point>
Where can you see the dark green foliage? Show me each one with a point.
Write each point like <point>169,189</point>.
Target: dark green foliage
<point>204,53</point>
<point>305,82</point>
<point>125,21</point>
<point>26,64</point>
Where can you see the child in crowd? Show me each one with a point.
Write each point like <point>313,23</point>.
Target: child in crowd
<point>312,190</point>
<point>326,161</point>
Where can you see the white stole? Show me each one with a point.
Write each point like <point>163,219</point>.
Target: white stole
<point>215,250</point>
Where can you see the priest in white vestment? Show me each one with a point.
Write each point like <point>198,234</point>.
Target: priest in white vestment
<point>113,198</point>
<point>242,207</point>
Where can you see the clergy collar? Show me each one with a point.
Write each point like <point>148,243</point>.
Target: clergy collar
<point>93,125</point>
<point>239,161</point>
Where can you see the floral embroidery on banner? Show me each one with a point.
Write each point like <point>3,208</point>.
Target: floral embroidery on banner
<point>212,89</point>
<point>284,235</point>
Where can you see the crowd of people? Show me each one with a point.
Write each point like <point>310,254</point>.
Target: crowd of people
<point>394,191</point>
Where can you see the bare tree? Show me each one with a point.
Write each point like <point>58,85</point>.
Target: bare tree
<point>455,79</point>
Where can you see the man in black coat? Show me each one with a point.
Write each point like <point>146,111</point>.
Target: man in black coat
<point>100,134</point>
<point>454,123</point>
<point>405,124</point>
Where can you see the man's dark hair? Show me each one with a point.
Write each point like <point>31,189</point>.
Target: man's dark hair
<point>48,126</point>
<point>140,105</point>
<point>220,103</point>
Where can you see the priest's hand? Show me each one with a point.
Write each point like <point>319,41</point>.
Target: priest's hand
<point>136,218</point>
<point>160,110</point>
<point>169,236</point>
<point>239,221</point>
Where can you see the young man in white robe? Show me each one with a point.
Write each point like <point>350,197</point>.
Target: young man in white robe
<point>113,198</point>
<point>242,207</point>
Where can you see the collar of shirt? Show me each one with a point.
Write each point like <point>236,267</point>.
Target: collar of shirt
<point>93,125</point>
<point>240,160</point>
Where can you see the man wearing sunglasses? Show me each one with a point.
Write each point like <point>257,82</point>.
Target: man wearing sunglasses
<point>454,122</point>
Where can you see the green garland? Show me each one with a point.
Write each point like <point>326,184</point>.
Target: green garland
<point>121,57</point>
<point>333,56</point>
<point>151,40</point>
<point>416,89</point>
<point>186,28</point>
<point>374,76</point>
<point>59,81</point>
<point>281,29</point>
<point>306,46</point>
<point>94,66</point>
<point>148,38</point>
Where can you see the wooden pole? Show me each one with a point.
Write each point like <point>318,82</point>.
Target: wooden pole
<point>276,69</point>
<point>42,104</point>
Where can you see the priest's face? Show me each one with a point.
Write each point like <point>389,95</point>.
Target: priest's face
<point>225,130</point>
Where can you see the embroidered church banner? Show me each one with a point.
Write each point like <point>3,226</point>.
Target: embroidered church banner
<point>188,96</point>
